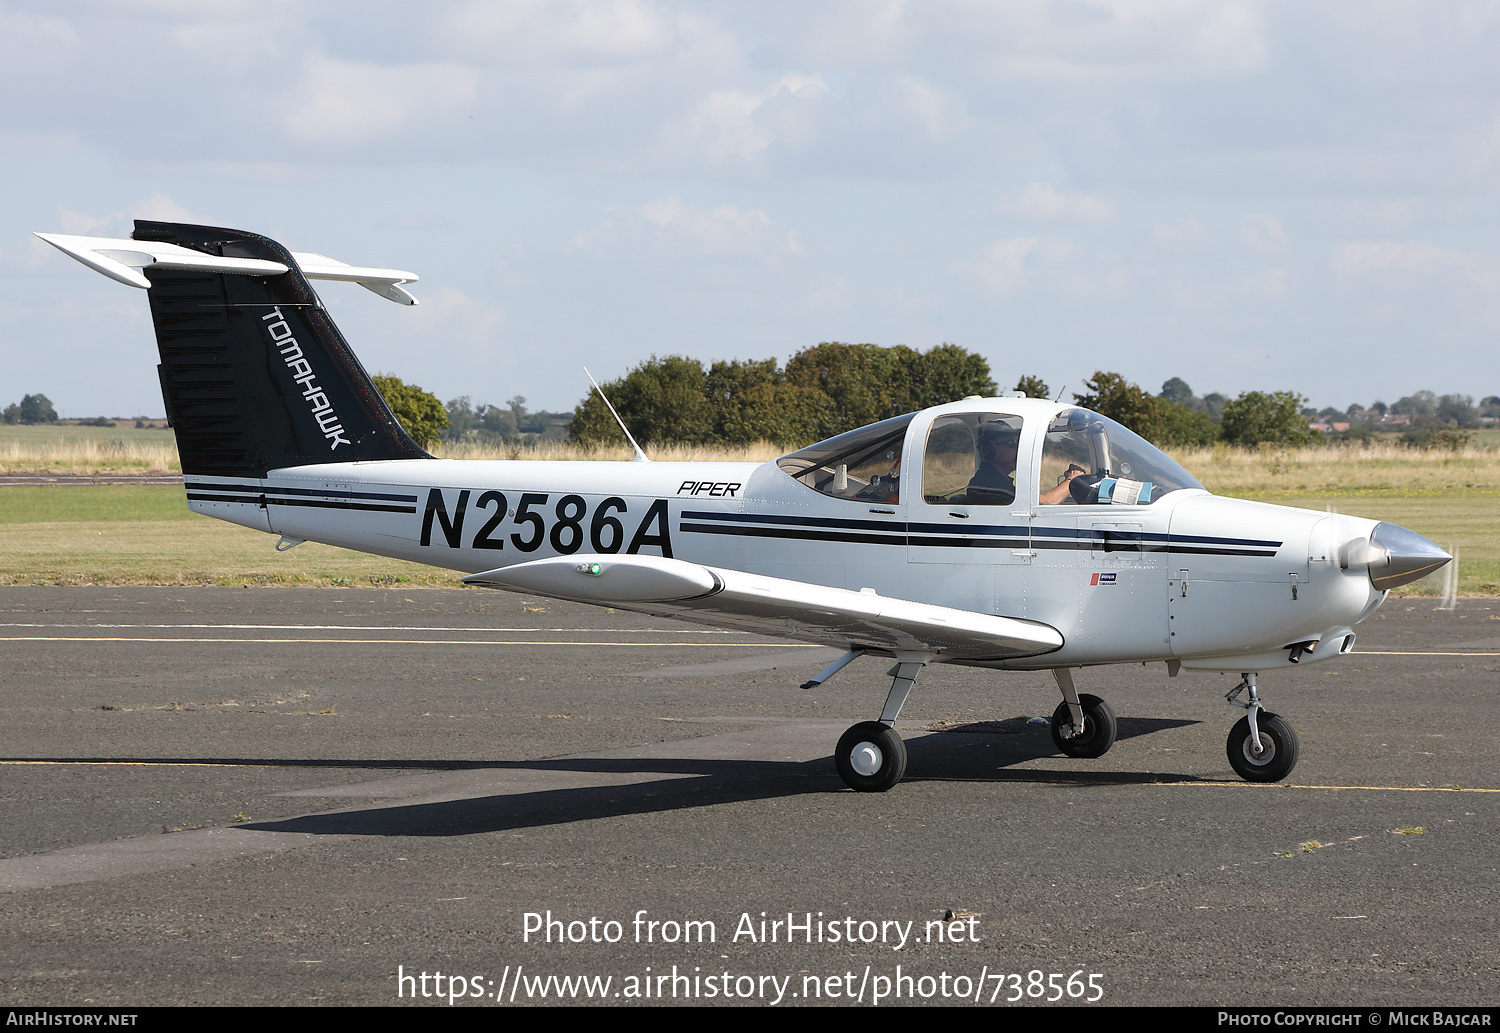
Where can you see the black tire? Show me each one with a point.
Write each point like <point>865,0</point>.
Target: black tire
<point>870,757</point>
<point>1099,728</point>
<point>1280,744</point>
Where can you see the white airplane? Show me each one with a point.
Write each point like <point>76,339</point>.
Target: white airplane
<point>1007,533</point>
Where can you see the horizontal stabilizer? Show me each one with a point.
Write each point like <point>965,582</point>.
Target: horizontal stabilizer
<point>123,259</point>
<point>775,606</point>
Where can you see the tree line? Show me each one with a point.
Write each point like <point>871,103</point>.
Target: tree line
<point>834,387</point>
<point>821,391</point>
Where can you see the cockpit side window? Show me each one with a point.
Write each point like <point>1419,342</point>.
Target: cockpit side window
<point>862,465</point>
<point>970,459</point>
<point>1088,459</point>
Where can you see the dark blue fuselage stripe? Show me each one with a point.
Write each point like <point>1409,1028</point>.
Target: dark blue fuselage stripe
<point>990,538</point>
<point>255,500</point>
<point>258,491</point>
<point>807,533</point>
<point>803,521</point>
<point>1091,534</point>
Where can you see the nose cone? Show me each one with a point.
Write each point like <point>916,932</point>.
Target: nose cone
<point>1400,557</point>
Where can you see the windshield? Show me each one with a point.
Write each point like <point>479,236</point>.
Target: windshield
<point>1102,462</point>
<point>862,464</point>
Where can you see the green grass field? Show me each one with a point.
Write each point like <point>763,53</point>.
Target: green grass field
<point>107,534</point>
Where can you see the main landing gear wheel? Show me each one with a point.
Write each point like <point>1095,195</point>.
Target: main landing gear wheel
<point>870,757</point>
<point>1098,733</point>
<point>1278,753</point>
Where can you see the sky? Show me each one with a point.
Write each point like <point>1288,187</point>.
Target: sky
<point>1249,196</point>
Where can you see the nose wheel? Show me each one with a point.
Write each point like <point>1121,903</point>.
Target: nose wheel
<point>1278,748</point>
<point>1262,747</point>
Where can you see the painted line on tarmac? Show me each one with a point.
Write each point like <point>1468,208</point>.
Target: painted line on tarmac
<point>1370,789</point>
<point>413,642</point>
<point>1415,652</point>
<point>384,627</point>
<point>1204,783</point>
<point>182,763</point>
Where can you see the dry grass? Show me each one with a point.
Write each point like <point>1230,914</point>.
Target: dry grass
<point>91,450</point>
<point>117,451</point>
<point>757,452</point>
<point>1383,469</point>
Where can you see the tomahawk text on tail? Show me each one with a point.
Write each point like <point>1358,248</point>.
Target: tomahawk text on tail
<point>1006,533</point>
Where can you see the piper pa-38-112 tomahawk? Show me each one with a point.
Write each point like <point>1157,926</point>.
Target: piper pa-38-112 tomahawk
<point>1008,533</point>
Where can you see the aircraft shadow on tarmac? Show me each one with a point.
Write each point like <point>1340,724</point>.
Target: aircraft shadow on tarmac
<point>978,753</point>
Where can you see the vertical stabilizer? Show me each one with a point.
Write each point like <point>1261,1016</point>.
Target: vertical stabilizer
<point>254,373</point>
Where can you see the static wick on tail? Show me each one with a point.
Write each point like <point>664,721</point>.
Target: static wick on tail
<point>640,457</point>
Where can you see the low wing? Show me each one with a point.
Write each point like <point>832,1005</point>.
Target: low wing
<point>775,606</point>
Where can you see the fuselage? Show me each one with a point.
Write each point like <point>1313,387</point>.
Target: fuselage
<point>1206,581</point>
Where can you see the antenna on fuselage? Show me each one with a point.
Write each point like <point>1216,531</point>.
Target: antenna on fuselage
<point>640,457</point>
<point>1060,393</point>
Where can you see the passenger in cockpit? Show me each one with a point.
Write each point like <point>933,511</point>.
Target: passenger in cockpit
<point>994,483</point>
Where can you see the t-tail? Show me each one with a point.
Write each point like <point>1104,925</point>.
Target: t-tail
<point>254,374</point>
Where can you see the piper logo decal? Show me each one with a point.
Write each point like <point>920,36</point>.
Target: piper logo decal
<point>718,489</point>
<point>1101,579</point>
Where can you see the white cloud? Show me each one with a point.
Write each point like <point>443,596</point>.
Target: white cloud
<point>350,102</point>
<point>1419,259</point>
<point>1180,235</point>
<point>31,43</point>
<point>685,229</point>
<point>588,31</point>
<point>1097,39</point>
<point>939,113</point>
<point>1263,232</point>
<point>158,207</point>
<point>1269,284</point>
<point>1002,266</point>
<point>1388,211</point>
<point>738,126</point>
<point>453,316</point>
<point>261,173</point>
<point>1043,203</point>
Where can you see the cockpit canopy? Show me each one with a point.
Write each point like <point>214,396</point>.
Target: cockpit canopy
<point>862,464</point>
<point>979,457</point>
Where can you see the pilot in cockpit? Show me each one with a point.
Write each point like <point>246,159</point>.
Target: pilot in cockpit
<point>994,482</point>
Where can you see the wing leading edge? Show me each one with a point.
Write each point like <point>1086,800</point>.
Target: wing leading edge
<point>775,606</point>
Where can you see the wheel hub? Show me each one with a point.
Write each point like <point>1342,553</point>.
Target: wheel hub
<point>866,758</point>
<point>1267,753</point>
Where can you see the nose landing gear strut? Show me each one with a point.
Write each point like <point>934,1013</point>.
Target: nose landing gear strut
<point>1262,746</point>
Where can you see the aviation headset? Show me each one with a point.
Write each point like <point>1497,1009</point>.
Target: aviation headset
<point>992,435</point>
